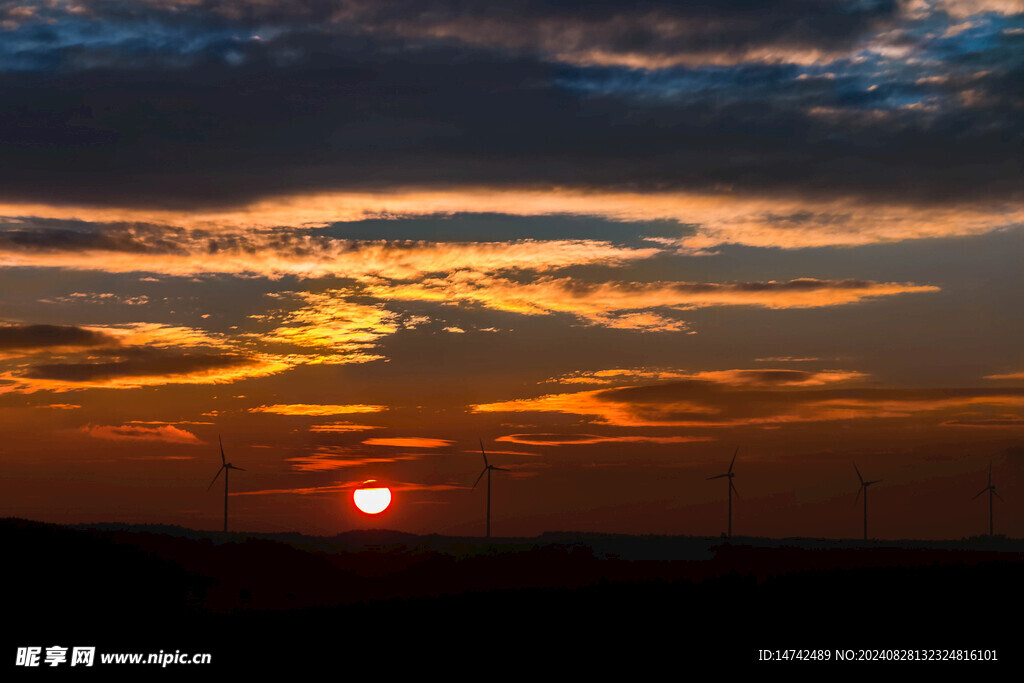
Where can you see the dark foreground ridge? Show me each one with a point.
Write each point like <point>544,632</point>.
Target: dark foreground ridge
<point>590,600</point>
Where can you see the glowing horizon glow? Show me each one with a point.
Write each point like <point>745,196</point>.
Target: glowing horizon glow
<point>372,501</point>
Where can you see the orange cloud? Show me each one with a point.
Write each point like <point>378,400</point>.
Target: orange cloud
<point>705,404</point>
<point>617,376</point>
<point>591,404</point>
<point>328,461</point>
<point>328,320</point>
<point>612,303</point>
<point>1010,375</point>
<point>317,410</point>
<point>285,252</point>
<point>584,439</point>
<point>647,322</point>
<point>165,433</point>
<point>164,422</point>
<point>854,408</point>
<point>163,336</point>
<point>1009,422</point>
<point>755,377</point>
<point>778,378</point>
<point>341,427</point>
<point>722,218</point>
<point>640,60</point>
<point>408,442</point>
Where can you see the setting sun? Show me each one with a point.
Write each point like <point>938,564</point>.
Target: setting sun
<point>372,500</point>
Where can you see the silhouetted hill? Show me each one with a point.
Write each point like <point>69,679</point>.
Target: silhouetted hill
<point>262,598</point>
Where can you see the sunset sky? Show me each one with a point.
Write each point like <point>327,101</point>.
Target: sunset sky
<point>613,240</point>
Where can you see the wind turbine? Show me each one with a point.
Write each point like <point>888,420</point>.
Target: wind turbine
<point>732,487</point>
<point>226,468</point>
<point>991,492</point>
<point>864,487</point>
<point>487,470</point>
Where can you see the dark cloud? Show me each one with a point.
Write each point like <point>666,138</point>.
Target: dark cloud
<point>710,403</point>
<point>306,109</point>
<point>157,365</point>
<point>680,391</point>
<point>31,337</point>
<point>796,285</point>
<point>554,438</point>
<point>654,27</point>
<point>45,235</point>
<point>775,376</point>
<point>468,227</point>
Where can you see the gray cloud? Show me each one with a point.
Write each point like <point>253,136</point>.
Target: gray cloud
<point>31,337</point>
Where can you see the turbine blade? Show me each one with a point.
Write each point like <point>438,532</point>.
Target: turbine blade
<point>868,483</point>
<point>240,469</point>
<point>501,469</point>
<point>215,478</point>
<point>480,477</point>
<point>486,464</point>
<point>858,473</point>
<point>222,460</point>
<point>733,487</point>
<point>989,472</point>
<point>717,476</point>
<point>858,494</point>
<point>734,458</point>
<point>997,495</point>
<point>981,492</point>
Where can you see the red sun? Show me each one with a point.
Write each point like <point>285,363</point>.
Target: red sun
<point>372,500</point>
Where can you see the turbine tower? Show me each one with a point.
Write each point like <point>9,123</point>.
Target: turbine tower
<point>991,492</point>
<point>864,487</point>
<point>487,470</point>
<point>732,487</point>
<point>226,468</point>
